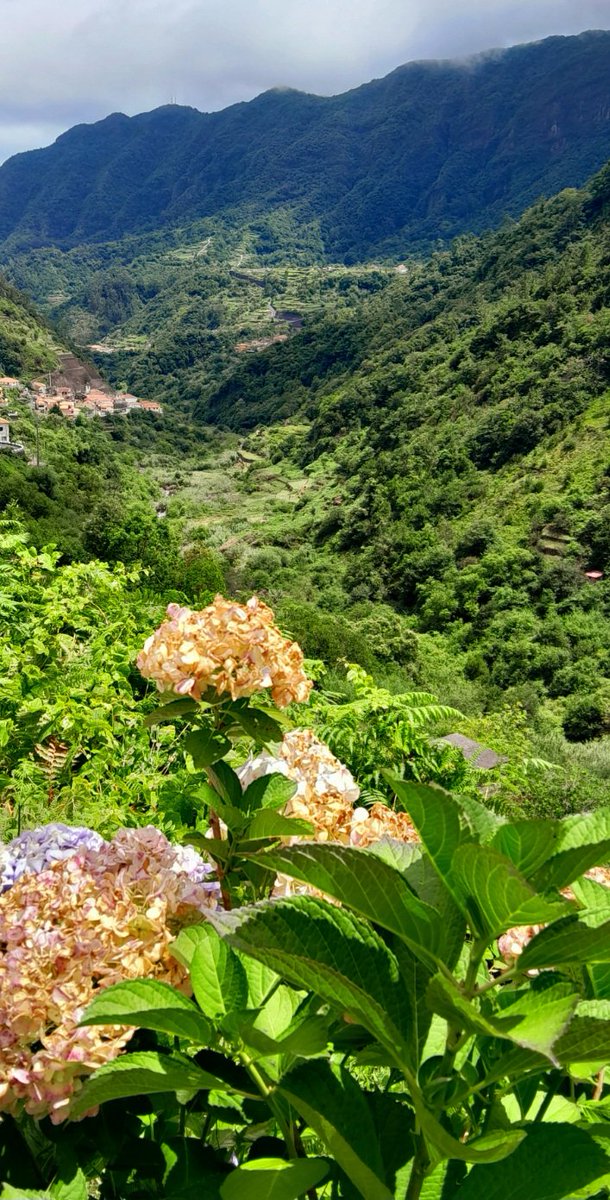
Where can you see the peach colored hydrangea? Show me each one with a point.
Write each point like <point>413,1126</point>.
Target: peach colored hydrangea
<point>370,825</point>
<point>77,926</point>
<point>232,648</point>
<point>326,791</point>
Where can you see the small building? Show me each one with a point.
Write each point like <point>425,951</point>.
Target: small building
<point>124,403</point>
<point>474,753</point>
<point>5,433</point>
<point>150,406</point>
<point>7,381</point>
<point>38,387</point>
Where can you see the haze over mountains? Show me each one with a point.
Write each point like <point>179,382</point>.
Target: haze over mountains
<point>430,151</point>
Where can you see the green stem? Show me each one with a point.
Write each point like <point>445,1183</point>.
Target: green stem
<point>421,1163</point>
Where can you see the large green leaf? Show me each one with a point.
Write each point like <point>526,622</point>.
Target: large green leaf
<point>495,895</point>
<point>269,824</point>
<point>552,1162</point>
<point>148,1004</point>
<point>183,947</point>
<point>206,746</point>
<point>70,1182</point>
<point>333,953</point>
<point>258,725</point>
<point>218,977</point>
<point>269,791</point>
<point>528,844</point>
<point>274,1179</point>
<point>334,1106</point>
<point>585,1045</point>
<point>226,783</point>
<point>366,884</point>
<point>169,712</point>
<point>575,939</point>
<point>582,842</point>
<point>534,1019</point>
<point>436,816</point>
<point>138,1075</point>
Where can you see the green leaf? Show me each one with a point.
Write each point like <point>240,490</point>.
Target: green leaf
<point>218,977</point>
<point>70,1183</point>
<point>575,939</point>
<point>8,1192</point>
<point>205,747</point>
<point>148,1004</point>
<point>436,817</point>
<point>528,844</point>
<point>269,791</point>
<point>365,883</point>
<point>269,824</point>
<point>491,1147</point>
<point>274,1179</point>
<point>226,783</point>
<point>169,712</point>
<point>334,1106</point>
<point>138,1075</point>
<point>482,821</point>
<point>534,1019</point>
<point>192,1171</point>
<point>552,1162</point>
<point>183,947</point>
<point>585,1045</point>
<point>582,842</point>
<point>259,725</point>
<point>333,953</point>
<point>495,895</point>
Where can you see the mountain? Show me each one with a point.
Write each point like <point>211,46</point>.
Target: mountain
<point>27,344</point>
<point>430,151</point>
<point>457,432</point>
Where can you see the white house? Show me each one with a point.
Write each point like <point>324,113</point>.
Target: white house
<point>5,436</point>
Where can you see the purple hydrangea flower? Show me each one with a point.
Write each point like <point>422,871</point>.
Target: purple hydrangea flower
<point>36,849</point>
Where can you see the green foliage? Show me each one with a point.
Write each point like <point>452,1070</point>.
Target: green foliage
<point>384,1033</point>
<point>376,731</point>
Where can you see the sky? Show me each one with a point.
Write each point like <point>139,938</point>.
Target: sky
<point>63,62</point>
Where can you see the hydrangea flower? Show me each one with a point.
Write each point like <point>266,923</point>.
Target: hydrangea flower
<point>102,915</point>
<point>36,849</point>
<point>232,648</point>
<point>326,791</point>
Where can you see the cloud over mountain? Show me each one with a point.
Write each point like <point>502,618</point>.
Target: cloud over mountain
<point>63,64</point>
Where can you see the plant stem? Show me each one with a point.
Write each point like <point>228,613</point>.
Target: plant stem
<point>421,1163</point>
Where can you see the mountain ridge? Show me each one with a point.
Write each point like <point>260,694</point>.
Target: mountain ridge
<point>431,150</point>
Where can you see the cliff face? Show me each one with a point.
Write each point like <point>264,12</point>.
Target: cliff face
<point>432,150</point>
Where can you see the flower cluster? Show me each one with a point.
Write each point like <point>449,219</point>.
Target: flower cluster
<point>37,849</point>
<point>379,821</point>
<point>95,918</point>
<point>232,648</point>
<point>326,791</point>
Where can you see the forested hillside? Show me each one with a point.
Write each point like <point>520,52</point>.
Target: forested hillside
<point>460,424</point>
<point>431,151</point>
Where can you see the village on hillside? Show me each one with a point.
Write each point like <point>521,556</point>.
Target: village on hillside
<point>70,391</point>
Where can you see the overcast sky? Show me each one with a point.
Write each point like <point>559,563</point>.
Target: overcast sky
<point>67,61</point>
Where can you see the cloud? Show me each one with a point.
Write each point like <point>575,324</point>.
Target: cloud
<point>78,61</point>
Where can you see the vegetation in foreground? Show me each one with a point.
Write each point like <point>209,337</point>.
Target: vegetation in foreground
<point>426,1016</point>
